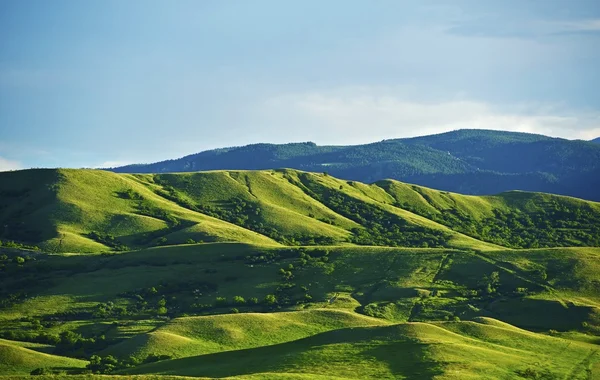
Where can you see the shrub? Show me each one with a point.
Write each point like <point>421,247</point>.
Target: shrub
<point>39,371</point>
<point>220,301</point>
<point>270,299</point>
<point>102,364</point>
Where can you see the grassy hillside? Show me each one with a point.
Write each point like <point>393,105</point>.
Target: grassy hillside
<point>192,336</point>
<point>95,211</point>
<point>205,299</point>
<point>289,274</point>
<point>410,350</point>
<point>513,219</point>
<point>18,358</point>
<point>92,211</point>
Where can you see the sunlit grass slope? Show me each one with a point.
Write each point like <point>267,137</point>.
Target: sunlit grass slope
<point>191,336</point>
<point>279,204</point>
<point>16,358</point>
<point>410,350</point>
<point>65,206</point>
<point>64,210</point>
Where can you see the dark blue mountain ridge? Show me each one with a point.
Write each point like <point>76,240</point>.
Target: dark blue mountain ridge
<point>469,161</point>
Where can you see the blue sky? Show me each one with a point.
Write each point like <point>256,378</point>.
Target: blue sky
<point>99,83</point>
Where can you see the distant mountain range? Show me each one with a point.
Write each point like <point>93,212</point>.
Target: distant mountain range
<point>466,161</point>
<point>596,140</point>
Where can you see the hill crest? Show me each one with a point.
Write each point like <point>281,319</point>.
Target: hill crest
<point>73,210</point>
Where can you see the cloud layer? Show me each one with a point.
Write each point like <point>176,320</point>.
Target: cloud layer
<point>6,165</point>
<point>362,114</point>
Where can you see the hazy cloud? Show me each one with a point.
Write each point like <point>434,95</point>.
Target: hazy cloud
<point>6,165</point>
<point>112,164</point>
<point>361,115</point>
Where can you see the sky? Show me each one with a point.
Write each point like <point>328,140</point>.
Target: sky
<point>112,82</point>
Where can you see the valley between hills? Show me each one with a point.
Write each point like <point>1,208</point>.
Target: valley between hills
<point>287,274</point>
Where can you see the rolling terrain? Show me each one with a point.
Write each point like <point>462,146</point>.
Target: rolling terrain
<point>67,210</point>
<point>292,275</point>
<point>466,161</point>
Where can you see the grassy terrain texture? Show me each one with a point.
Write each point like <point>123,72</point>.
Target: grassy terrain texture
<point>285,274</point>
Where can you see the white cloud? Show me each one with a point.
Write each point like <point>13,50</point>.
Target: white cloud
<point>357,115</point>
<point>6,165</point>
<point>111,164</point>
<point>590,25</point>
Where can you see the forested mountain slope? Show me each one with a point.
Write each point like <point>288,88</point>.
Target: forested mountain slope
<point>465,161</point>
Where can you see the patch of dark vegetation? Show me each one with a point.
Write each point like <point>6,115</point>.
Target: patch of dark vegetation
<point>147,208</point>
<point>108,240</point>
<point>165,298</point>
<point>380,227</point>
<point>130,194</point>
<point>18,245</point>
<point>68,342</point>
<point>550,224</point>
<point>536,374</point>
<point>108,364</point>
<point>243,213</point>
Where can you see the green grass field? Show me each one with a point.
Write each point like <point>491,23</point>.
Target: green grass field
<point>292,275</point>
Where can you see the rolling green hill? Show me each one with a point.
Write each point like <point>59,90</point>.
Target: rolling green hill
<point>93,211</point>
<point>465,161</point>
<point>18,358</point>
<point>292,275</point>
<point>402,351</point>
<point>192,336</point>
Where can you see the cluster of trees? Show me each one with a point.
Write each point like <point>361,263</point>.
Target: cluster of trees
<point>18,245</point>
<point>108,364</point>
<point>237,301</point>
<point>288,292</point>
<point>66,343</point>
<point>165,298</point>
<point>130,194</point>
<point>19,260</point>
<point>303,255</point>
<point>552,224</point>
<point>245,214</point>
<point>108,240</point>
<point>265,257</point>
<point>105,364</point>
<point>380,227</point>
<point>145,207</point>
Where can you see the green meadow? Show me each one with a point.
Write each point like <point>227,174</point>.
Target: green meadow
<point>284,274</point>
